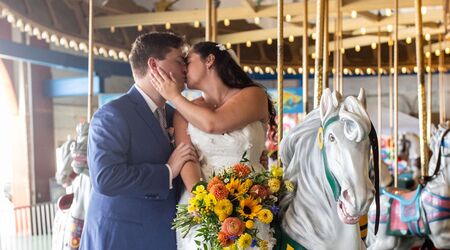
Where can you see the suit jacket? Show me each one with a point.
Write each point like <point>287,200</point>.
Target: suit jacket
<point>131,206</point>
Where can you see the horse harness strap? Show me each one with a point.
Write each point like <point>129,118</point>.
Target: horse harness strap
<point>287,243</point>
<point>334,184</point>
<point>425,179</point>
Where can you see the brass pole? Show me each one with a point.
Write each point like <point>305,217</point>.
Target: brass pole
<point>280,58</point>
<point>391,90</point>
<point>325,47</point>
<point>396,97</point>
<point>305,58</point>
<point>340,45</point>
<point>214,22</point>
<point>379,92</point>
<point>429,92</point>
<point>441,83</point>
<point>90,61</point>
<point>421,89</point>
<point>208,23</point>
<point>318,67</point>
<point>335,55</point>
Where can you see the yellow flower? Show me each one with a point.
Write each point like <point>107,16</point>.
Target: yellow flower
<point>235,187</point>
<point>200,190</point>
<point>223,207</point>
<point>276,171</point>
<point>289,186</point>
<point>249,224</point>
<point>210,201</point>
<point>274,185</point>
<point>222,216</point>
<point>249,208</point>
<point>265,216</point>
<point>263,245</point>
<point>244,241</point>
<point>246,185</point>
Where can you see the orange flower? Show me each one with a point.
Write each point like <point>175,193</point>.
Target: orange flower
<point>219,191</point>
<point>233,226</point>
<point>259,191</point>
<point>224,239</point>
<point>241,170</point>
<point>215,180</point>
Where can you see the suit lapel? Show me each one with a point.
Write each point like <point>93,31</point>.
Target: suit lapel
<point>145,113</point>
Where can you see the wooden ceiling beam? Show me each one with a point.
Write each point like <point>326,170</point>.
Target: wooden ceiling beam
<point>243,12</point>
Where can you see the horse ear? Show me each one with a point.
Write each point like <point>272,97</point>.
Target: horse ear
<point>326,105</point>
<point>337,98</point>
<point>362,97</point>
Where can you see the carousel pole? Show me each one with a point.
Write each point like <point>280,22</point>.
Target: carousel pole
<point>325,47</point>
<point>90,60</point>
<point>280,58</point>
<point>341,47</point>
<point>209,18</point>
<point>335,55</point>
<point>391,90</point>
<point>214,22</point>
<point>441,83</point>
<point>429,90</point>
<point>318,78</point>
<point>379,92</point>
<point>396,97</point>
<point>421,89</point>
<point>305,58</point>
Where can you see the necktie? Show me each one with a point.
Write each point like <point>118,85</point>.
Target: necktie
<point>161,116</point>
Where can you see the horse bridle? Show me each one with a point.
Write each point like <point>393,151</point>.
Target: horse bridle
<point>425,179</point>
<point>332,181</point>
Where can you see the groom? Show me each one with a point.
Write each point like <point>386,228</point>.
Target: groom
<point>132,163</point>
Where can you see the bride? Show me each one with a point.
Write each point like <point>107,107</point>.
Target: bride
<point>231,118</point>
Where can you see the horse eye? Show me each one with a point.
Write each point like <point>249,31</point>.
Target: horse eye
<point>331,138</point>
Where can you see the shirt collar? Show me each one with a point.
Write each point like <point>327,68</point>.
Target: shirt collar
<point>151,104</point>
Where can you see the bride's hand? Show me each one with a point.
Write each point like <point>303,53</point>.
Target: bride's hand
<point>166,85</point>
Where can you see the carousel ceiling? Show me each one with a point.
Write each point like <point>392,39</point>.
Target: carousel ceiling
<point>249,26</point>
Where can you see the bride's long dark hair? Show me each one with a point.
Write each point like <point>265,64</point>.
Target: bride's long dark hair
<point>230,72</point>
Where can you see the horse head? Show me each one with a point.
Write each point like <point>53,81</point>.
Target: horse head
<point>79,149</point>
<point>65,173</point>
<point>345,147</point>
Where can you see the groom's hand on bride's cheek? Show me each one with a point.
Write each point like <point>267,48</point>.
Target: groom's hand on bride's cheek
<point>264,159</point>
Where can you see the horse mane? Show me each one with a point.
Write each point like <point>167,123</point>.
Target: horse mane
<point>302,162</point>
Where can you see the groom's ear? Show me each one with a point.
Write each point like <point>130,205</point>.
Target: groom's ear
<point>152,64</point>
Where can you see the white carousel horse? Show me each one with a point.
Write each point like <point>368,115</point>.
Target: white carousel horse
<point>330,171</point>
<point>70,216</point>
<point>65,175</point>
<point>422,213</point>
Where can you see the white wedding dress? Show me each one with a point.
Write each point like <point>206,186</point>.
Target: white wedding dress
<point>218,151</point>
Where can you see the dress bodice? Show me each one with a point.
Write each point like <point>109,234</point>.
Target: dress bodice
<point>218,151</point>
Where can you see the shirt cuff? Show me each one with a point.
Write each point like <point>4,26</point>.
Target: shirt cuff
<point>170,176</point>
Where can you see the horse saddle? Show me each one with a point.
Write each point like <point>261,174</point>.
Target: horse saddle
<point>405,213</point>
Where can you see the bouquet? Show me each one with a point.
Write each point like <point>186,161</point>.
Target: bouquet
<point>226,209</point>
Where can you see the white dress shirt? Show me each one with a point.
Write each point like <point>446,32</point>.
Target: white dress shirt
<point>151,104</point>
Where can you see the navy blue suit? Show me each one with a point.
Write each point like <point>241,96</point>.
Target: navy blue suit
<point>131,206</point>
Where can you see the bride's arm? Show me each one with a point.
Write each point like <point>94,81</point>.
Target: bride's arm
<point>190,173</point>
<point>247,106</point>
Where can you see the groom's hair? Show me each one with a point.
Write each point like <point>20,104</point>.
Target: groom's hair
<point>152,44</point>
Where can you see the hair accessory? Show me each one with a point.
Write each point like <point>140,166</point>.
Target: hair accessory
<point>221,47</point>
